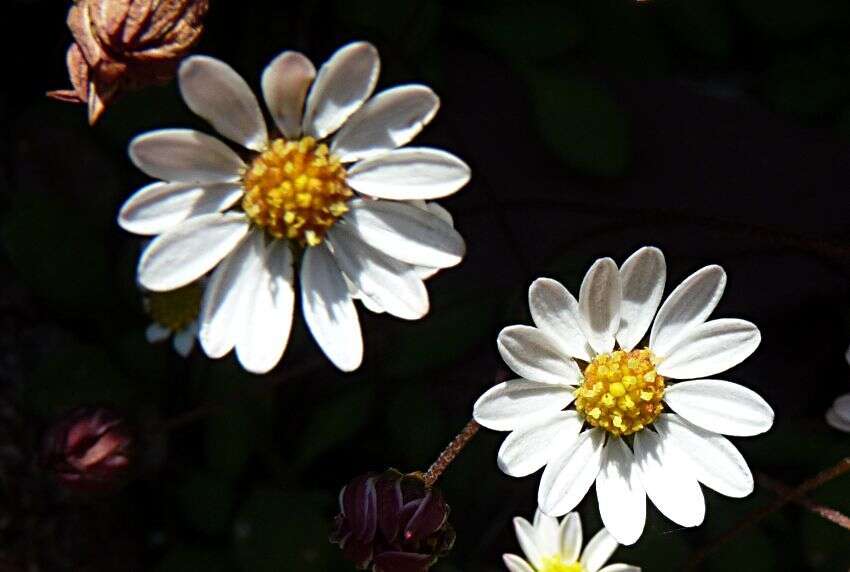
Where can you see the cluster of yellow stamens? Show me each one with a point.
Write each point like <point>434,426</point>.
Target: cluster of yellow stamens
<point>621,392</point>
<point>175,309</point>
<point>555,564</point>
<point>296,190</point>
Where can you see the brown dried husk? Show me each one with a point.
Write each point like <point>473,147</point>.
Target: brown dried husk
<point>126,44</point>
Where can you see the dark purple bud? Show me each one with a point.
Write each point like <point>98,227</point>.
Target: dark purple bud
<point>89,449</point>
<point>392,523</point>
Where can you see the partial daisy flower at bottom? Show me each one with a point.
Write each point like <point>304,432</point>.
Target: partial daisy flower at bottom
<point>838,415</point>
<point>550,546</point>
<point>632,431</point>
<point>331,190</point>
<point>174,314</point>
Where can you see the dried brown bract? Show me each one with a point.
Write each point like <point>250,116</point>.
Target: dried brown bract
<point>121,45</point>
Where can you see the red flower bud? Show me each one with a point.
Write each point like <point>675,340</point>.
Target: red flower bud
<point>89,450</point>
<point>393,523</point>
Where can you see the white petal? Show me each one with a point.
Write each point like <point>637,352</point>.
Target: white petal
<point>392,284</point>
<point>526,537</point>
<point>516,564</point>
<point>841,406</point>
<point>568,476</point>
<point>190,250</point>
<point>715,461</point>
<point>156,333</point>
<point>571,537</point>
<point>185,155</point>
<point>547,531</point>
<point>387,121</point>
<point>269,314</point>
<point>622,499</point>
<point>157,207</point>
<point>344,82</point>
<point>555,311</point>
<point>686,307</point>
<point>599,304</point>
<point>720,406</point>
<point>668,479</point>
<point>409,173</point>
<point>598,550</point>
<point>533,355</point>
<point>642,277</point>
<point>184,341</point>
<point>835,420</point>
<point>529,446</point>
<point>285,83</point>
<point>214,91</point>
<point>517,402</point>
<point>406,233</point>
<point>329,309</point>
<point>620,568</point>
<point>711,348</point>
<point>226,297</point>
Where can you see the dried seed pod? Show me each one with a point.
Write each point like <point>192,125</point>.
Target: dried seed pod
<point>121,45</point>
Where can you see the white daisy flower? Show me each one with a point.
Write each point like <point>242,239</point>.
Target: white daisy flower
<point>334,191</point>
<point>838,415</point>
<point>550,546</point>
<point>631,431</point>
<point>174,314</point>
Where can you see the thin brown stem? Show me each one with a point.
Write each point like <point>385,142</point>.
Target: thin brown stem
<point>830,514</point>
<point>450,452</point>
<point>840,468</point>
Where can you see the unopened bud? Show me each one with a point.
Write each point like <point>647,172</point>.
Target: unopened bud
<point>391,522</point>
<point>89,450</point>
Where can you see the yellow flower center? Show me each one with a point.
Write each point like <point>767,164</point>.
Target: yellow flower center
<point>555,564</point>
<point>621,392</point>
<point>296,190</point>
<point>175,309</point>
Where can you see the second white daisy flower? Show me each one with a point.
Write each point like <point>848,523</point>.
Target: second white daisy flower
<point>631,431</point>
<point>552,546</point>
<point>350,207</point>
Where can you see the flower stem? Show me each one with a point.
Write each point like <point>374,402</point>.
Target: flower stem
<point>451,451</point>
<point>791,495</point>
<point>830,514</point>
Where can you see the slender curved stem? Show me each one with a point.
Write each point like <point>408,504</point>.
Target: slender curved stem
<point>793,495</point>
<point>451,451</point>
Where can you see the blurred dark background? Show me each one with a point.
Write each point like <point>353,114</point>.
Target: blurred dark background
<point>718,130</point>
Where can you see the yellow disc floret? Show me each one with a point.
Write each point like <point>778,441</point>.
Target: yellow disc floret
<point>555,564</point>
<point>621,392</point>
<point>175,309</point>
<point>296,190</point>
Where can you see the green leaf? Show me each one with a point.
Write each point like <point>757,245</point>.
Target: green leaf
<point>407,412</point>
<point>186,558</point>
<point>624,35</point>
<point>811,83</point>
<point>57,252</point>
<point>243,426</point>
<point>702,25</point>
<point>74,375</point>
<point>278,530</point>
<point>789,20</point>
<point>582,123</point>
<point>522,34</point>
<point>334,422</point>
<point>445,336</point>
<point>206,502</point>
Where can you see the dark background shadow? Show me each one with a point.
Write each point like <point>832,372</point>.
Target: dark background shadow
<point>718,131</point>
